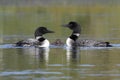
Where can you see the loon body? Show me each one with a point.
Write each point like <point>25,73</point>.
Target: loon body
<point>73,40</point>
<point>39,40</point>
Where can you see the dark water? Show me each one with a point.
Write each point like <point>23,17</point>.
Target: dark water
<point>57,63</point>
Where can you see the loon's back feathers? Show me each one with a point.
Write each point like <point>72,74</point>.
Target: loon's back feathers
<point>92,43</point>
<point>27,42</point>
<point>84,43</point>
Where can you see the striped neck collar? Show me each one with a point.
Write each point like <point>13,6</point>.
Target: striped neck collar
<point>77,34</point>
<point>38,37</point>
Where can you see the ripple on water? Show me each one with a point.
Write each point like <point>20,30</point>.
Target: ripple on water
<point>56,65</point>
<point>86,65</point>
<point>27,72</point>
<point>52,46</point>
<point>98,75</point>
<point>54,78</point>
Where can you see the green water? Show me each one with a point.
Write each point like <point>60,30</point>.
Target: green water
<point>21,19</point>
<point>99,20</point>
<point>58,64</point>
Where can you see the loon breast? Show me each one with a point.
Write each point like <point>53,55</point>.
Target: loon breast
<point>44,43</point>
<point>69,42</point>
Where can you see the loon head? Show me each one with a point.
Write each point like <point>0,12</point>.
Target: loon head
<point>42,30</point>
<point>74,26</point>
<point>39,32</point>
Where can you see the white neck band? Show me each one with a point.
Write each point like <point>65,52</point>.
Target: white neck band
<point>77,34</point>
<point>38,37</point>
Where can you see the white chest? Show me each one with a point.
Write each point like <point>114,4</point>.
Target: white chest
<point>45,43</point>
<point>69,42</point>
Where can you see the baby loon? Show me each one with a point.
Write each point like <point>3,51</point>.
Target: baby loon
<point>73,38</point>
<point>58,42</point>
<point>39,40</point>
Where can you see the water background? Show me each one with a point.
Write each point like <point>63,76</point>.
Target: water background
<point>99,20</point>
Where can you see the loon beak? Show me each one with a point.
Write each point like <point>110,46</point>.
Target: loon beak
<point>65,25</point>
<point>48,31</point>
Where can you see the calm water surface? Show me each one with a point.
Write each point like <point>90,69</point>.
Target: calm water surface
<point>59,64</point>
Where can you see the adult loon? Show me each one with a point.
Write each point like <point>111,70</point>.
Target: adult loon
<point>73,38</point>
<point>39,40</point>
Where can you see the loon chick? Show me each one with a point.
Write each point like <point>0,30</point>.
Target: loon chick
<point>58,42</point>
<point>73,39</point>
<point>39,40</point>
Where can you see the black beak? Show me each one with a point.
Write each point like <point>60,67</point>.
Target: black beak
<point>48,31</point>
<point>65,25</point>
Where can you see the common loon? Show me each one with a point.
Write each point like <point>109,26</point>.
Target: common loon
<point>58,42</point>
<point>39,40</point>
<point>73,40</point>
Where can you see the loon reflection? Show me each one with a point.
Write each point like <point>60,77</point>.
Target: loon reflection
<point>72,54</point>
<point>37,54</point>
<point>42,54</point>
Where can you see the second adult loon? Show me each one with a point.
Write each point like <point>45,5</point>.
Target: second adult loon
<point>73,38</point>
<point>39,40</point>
